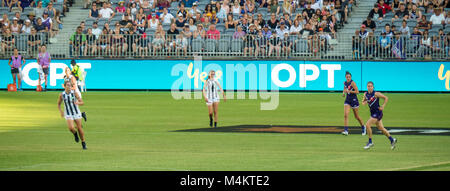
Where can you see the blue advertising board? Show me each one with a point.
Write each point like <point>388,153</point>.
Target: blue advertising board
<point>242,75</point>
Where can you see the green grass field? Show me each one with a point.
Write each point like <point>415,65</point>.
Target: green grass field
<point>136,131</point>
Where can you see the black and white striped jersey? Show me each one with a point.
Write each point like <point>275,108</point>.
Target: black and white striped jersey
<point>69,99</point>
<point>212,89</point>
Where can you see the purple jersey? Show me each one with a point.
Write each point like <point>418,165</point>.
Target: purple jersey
<point>16,61</point>
<point>374,105</point>
<point>44,59</point>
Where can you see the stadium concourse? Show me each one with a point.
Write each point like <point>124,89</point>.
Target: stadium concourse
<point>302,29</point>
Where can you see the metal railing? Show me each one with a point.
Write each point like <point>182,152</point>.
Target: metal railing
<point>27,44</point>
<point>232,46</point>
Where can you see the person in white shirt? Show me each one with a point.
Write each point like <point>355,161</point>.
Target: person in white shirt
<point>316,4</point>
<point>106,12</point>
<point>27,27</point>
<point>194,10</point>
<point>437,18</point>
<point>281,30</point>
<point>95,30</point>
<point>296,28</point>
<point>166,17</point>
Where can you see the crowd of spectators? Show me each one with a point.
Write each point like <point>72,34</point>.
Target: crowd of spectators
<point>36,20</point>
<point>265,27</point>
<point>395,28</point>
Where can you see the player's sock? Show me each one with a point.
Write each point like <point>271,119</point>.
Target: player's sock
<point>76,137</point>
<point>370,140</point>
<point>390,139</point>
<point>345,128</point>
<point>215,124</point>
<point>84,145</point>
<point>210,120</point>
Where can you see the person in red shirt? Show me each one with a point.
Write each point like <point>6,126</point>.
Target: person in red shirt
<point>384,7</point>
<point>213,33</point>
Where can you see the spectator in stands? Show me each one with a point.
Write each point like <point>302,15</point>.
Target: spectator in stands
<point>274,44</point>
<point>77,42</point>
<point>376,13</point>
<point>163,3</point>
<point>26,28</point>
<point>273,22</point>
<point>83,27</point>
<point>250,7</point>
<point>15,27</point>
<point>26,3</point>
<point>447,45</point>
<point>180,21</point>
<point>94,12</point>
<point>401,13</point>
<point>447,18</point>
<point>121,7</point>
<point>385,8</point>
<point>249,41</point>
<point>167,18</point>
<point>39,26</point>
<point>50,10</point>
<point>31,16</point>
<point>236,8</point>
<point>34,40</point>
<point>387,30</point>
<point>17,16</point>
<point>404,29</point>
<point>57,23</point>
<point>394,5</point>
<point>436,45</point>
<point>187,31</point>
<point>239,33</point>
<point>230,23</point>
<point>282,30</point>
<point>44,2</point>
<point>171,35</point>
<point>8,41</point>
<point>181,44</point>
<point>425,44</point>
<point>213,33</point>
<point>261,44</point>
<point>118,45</point>
<point>14,5</point>
<point>296,28</point>
<point>104,42</point>
<point>106,12</point>
<point>39,9</point>
<point>153,22</point>
<point>415,13</point>
<point>384,43</point>
<point>223,11</point>
<point>126,22</point>
<point>423,23</point>
<point>158,43</point>
<point>437,18</point>
<point>370,24</point>
<point>47,22</point>
<point>91,43</point>
<point>416,38</point>
<point>95,30</point>
<point>132,40</point>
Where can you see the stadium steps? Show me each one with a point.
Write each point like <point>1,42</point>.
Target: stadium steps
<point>60,49</point>
<point>359,13</point>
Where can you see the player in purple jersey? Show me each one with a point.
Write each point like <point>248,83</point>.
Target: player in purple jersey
<point>16,62</point>
<point>371,97</point>
<point>351,101</point>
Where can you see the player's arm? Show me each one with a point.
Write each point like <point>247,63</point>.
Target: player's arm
<point>59,105</point>
<point>364,101</point>
<point>74,82</point>
<point>9,63</point>
<point>24,61</point>
<point>223,93</point>
<point>79,100</point>
<point>356,91</point>
<point>380,95</point>
<point>204,92</point>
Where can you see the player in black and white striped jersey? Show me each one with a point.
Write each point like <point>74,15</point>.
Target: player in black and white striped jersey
<point>71,111</point>
<point>71,78</point>
<point>211,94</point>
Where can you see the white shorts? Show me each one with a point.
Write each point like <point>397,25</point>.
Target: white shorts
<point>72,117</point>
<point>211,101</point>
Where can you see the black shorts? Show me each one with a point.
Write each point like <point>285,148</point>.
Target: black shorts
<point>45,70</point>
<point>14,70</point>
